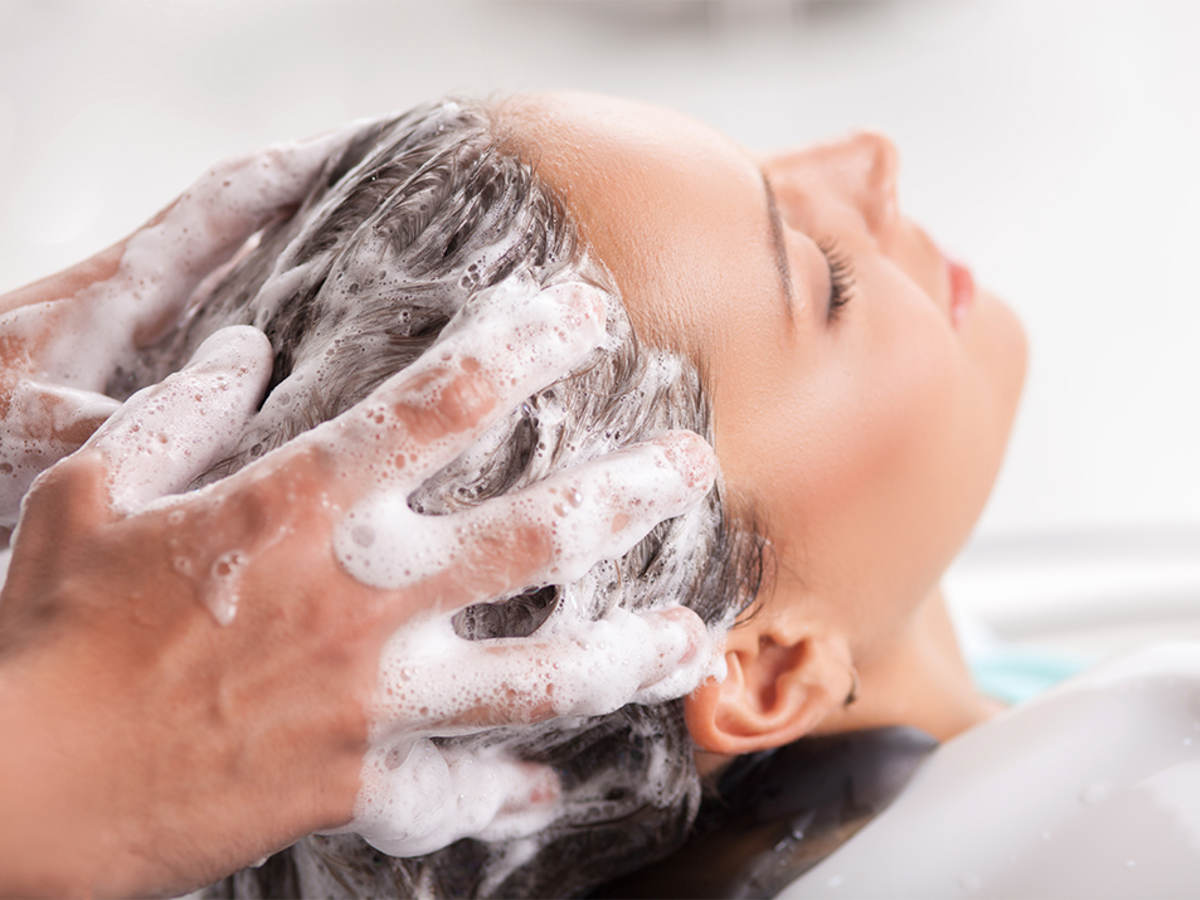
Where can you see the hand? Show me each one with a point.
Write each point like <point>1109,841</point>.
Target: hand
<point>160,750</point>
<point>62,338</point>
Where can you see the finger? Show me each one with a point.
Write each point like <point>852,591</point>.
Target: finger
<point>41,424</point>
<point>212,218</point>
<point>167,434</point>
<point>161,264</point>
<point>550,533</point>
<point>416,797</point>
<point>506,346</point>
<point>572,668</point>
<point>67,283</point>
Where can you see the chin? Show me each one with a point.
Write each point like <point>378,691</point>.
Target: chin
<point>1002,347</point>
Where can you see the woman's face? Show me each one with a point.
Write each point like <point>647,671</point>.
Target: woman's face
<point>865,436</point>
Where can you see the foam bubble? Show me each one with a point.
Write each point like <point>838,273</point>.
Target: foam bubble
<point>416,798</point>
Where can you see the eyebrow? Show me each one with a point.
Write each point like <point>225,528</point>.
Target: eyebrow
<point>775,228</point>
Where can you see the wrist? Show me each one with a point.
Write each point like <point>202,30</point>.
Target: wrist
<point>42,846</point>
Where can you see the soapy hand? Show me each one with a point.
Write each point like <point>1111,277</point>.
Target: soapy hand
<point>62,338</point>
<point>183,748</point>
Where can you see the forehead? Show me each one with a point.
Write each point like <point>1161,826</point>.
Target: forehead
<point>674,209</point>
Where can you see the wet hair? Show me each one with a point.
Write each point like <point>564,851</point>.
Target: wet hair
<point>419,214</point>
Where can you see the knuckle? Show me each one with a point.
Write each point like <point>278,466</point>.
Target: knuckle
<point>460,404</point>
<point>506,556</point>
<point>248,510</point>
<point>78,475</point>
<point>465,400</point>
<point>71,494</point>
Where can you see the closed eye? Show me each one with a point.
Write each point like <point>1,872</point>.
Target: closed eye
<point>841,277</point>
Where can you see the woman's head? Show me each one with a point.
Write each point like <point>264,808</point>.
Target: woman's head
<point>860,441</point>
<point>866,436</point>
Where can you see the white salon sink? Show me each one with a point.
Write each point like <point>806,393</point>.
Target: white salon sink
<point>1087,594</point>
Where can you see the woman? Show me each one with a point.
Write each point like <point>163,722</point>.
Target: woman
<point>858,389</point>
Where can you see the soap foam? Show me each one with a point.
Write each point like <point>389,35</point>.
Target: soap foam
<point>416,798</point>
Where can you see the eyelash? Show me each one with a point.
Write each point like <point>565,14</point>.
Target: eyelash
<point>841,277</point>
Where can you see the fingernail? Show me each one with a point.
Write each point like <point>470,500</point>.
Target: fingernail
<point>230,347</point>
<point>682,633</point>
<point>684,647</point>
<point>586,301</point>
<point>692,457</point>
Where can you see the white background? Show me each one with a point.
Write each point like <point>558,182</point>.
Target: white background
<point>1052,144</point>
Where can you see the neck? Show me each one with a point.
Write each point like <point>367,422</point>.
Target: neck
<point>921,680</point>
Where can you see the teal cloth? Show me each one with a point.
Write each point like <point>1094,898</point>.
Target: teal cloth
<point>1014,673</point>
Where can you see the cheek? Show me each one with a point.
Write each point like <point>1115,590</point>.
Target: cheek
<point>888,394</point>
<point>878,499</point>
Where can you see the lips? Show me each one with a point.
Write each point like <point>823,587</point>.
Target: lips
<point>962,290</point>
<point>956,293</point>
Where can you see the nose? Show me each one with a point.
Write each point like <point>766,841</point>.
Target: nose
<point>871,163</point>
<point>859,170</point>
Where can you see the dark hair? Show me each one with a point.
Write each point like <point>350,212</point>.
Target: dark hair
<point>417,215</point>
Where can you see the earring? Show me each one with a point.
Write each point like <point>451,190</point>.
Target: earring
<point>852,695</point>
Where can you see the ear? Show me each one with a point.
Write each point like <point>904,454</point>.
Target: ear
<point>781,683</point>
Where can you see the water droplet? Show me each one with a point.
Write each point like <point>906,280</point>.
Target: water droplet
<point>800,824</point>
<point>834,881</point>
<point>574,496</point>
